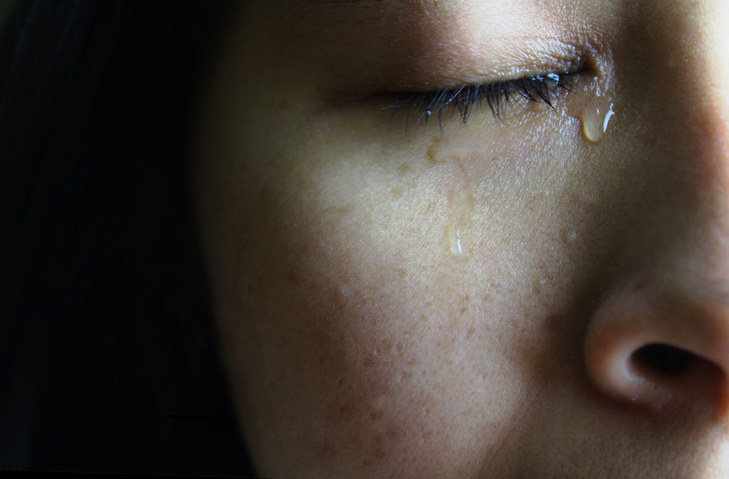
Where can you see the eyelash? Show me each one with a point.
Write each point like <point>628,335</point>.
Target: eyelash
<point>466,99</point>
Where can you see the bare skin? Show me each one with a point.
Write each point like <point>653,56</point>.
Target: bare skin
<point>523,296</point>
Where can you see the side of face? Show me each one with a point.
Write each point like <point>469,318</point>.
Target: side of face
<point>521,296</point>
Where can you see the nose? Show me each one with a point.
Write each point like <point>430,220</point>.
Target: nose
<point>651,347</point>
<point>659,337</point>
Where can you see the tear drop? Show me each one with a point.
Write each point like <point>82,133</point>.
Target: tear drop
<point>595,119</point>
<point>455,241</point>
<point>458,229</point>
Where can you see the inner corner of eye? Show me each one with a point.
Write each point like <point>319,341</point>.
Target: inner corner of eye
<point>586,64</point>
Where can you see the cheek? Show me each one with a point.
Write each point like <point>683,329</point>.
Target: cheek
<point>344,347</point>
<point>359,333</point>
<point>382,296</point>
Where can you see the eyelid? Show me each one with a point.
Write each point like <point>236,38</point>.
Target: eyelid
<point>455,70</point>
<point>402,79</point>
<point>465,99</point>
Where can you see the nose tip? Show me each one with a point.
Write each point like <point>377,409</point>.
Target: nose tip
<point>659,352</point>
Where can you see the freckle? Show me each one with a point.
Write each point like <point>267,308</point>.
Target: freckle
<point>293,278</point>
<point>398,347</point>
<point>392,434</point>
<point>588,196</point>
<point>462,310</point>
<point>423,318</point>
<point>376,415</point>
<point>552,322</point>
<point>387,346</point>
<point>432,154</point>
<point>340,382</point>
<point>470,332</point>
<point>397,193</point>
<point>570,237</point>
<point>379,453</point>
<point>404,168</point>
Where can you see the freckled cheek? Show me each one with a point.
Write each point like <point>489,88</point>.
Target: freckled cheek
<point>337,389</point>
<point>360,357</point>
<point>359,323</point>
<point>375,378</point>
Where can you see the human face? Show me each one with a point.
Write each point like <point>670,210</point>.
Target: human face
<point>542,294</point>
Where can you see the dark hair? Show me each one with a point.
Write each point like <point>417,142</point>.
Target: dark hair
<point>108,356</point>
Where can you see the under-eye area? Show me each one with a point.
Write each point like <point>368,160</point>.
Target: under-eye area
<point>464,101</point>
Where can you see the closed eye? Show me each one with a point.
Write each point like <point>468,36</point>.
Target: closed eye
<point>466,99</point>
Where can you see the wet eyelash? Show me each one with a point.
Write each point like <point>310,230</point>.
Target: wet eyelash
<point>466,99</point>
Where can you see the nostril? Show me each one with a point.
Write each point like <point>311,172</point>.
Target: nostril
<point>664,359</point>
<point>668,376</point>
<point>658,352</point>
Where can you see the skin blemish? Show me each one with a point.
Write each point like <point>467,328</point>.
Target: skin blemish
<point>432,153</point>
<point>570,237</point>
<point>376,415</point>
